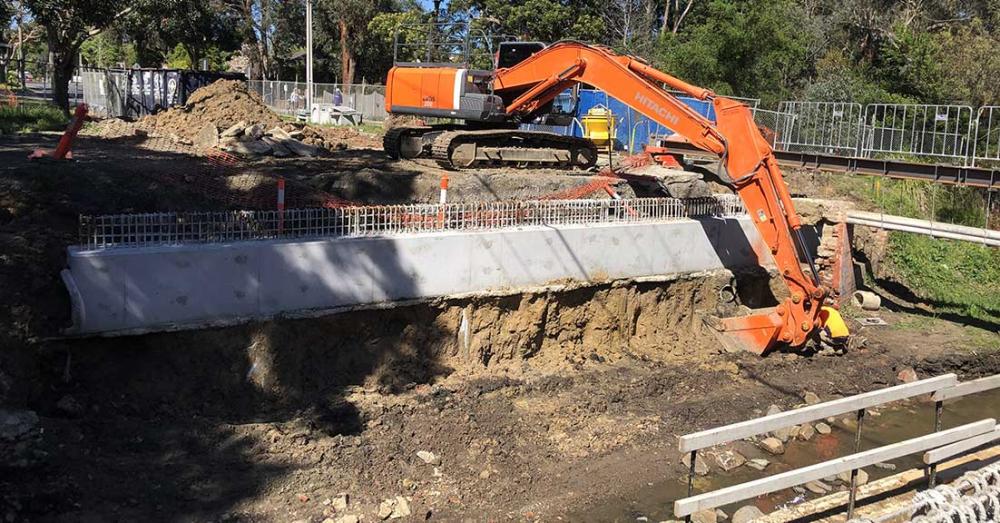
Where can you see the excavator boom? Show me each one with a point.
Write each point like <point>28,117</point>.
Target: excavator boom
<point>525,89</point>
<point>750,168</point>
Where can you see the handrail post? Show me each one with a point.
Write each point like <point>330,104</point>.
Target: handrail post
<point>854,472</point>
<point>938,411</point>
<point>694,459</point>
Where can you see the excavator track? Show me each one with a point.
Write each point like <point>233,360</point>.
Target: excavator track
<point>511,147</point>
<point>393,141</point>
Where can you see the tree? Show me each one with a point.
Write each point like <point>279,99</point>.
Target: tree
<point>674,13</point>
<point>741,47</point>
<point>631,25</point>
<point>68,24</point>
<point>544,20</point>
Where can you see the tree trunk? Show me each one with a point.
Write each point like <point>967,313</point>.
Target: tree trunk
<point>346,54</point>
<point>62,73</point>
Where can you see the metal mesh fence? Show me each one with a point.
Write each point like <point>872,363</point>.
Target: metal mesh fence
<point>134,230</point>
<point>940,131</point>
<point>829,127</point>
<point>290,97</point>
<point>986,148</point>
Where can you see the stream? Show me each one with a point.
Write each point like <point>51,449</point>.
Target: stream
<point>884,425</point>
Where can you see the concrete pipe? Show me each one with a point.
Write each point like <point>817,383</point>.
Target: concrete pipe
<point>868,301</point>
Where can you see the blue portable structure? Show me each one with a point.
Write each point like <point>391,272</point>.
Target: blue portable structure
<point>632,128</point>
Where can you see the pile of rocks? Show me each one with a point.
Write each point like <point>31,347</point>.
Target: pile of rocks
<point>255,139</point>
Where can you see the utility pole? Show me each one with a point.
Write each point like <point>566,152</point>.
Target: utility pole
<point>309,58</point>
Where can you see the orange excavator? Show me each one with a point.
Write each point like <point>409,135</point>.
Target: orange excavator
<point>524,87</point>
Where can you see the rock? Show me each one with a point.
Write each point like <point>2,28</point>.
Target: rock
<point>773,445</point>
<point>429,457</point>
<point>249,147</point>
<point>811,398</point>
<point>279,134</point>
<point>823,428</point>
<point>15,424</point>
<point>758,463</point>
<point>907,375</point>
<point>402,508</point>
<point>68,405</point>
<point>799,489</point>
<point>385,508</point>
<point>747,514</point>
<point>704,516</point>
<point>300,149</point>
<point>296,134</point>
<point>807,432</point>
<point>700,467</point>
<point>409,484</point>
<point>885,466</point>
<point>277,149</point>
<point>348,518</point>
<point>255,131</point>
<point>818,487</point>
<point>302,497</point>
<point>235,130</point>
<point>720,515</point>
<point>729,460</point>
<point>846,477</point>
<point>786,433</point>
<point>340,502</point>
<point>207,137</point>
<point>485,474</point>
<point>773,409</point>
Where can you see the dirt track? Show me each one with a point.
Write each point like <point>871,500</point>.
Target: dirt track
<point>558,402</point>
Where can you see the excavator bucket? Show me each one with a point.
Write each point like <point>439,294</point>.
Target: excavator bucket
<point>754,333</point>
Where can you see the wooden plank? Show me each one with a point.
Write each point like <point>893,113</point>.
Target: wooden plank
<point>688,506</point>
<point>968,387</point>
<point>874,511</point>
<point>940,454</point>
<point>745,429</point>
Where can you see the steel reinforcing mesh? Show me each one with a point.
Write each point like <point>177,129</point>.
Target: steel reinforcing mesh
<point>132,230</point>
<point>973,497</point>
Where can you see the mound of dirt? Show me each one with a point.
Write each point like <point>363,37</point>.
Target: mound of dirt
<point>223,103</point>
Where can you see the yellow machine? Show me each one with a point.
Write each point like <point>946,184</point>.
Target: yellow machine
<point>599,125</point>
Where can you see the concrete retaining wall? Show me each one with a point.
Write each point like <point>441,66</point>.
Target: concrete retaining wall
<point>123,290</point>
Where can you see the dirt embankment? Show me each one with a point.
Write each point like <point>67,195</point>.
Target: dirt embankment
<point>533,406</point>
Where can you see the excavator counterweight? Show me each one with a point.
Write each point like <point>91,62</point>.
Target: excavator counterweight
<point>494,103</point>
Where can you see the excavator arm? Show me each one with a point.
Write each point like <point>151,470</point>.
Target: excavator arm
<point>749,168</point>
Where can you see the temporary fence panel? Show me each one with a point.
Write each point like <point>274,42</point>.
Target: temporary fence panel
<point>773,125</point>
<point>986,147</point>
<point>104,91</point>
<point>827,127</point>
<point>922,131</point>
<point>289,98</point>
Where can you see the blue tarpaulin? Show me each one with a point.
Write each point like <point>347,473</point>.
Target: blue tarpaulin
<point>632,129</point>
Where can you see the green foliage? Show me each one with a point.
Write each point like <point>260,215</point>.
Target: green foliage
<point>27,118</point>
<point>954,276</point>
<point>544,20</point>
<point>742,48</point>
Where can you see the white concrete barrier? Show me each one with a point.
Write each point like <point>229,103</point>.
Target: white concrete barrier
<point>142,289</point>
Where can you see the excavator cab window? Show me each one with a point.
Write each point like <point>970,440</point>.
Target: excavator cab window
<point>510,54</point>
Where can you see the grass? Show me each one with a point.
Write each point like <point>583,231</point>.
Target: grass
<point>954,276</point>
<point>28,118</point>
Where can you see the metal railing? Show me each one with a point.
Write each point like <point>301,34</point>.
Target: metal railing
<point>829,127</point>
<point>134,230</point>
<point>922,131</point>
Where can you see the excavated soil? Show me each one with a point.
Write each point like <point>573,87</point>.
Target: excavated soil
<point>536,406</point>
<point>223,103</point>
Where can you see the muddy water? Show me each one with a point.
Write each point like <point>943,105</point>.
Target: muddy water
<point>886,425</point>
